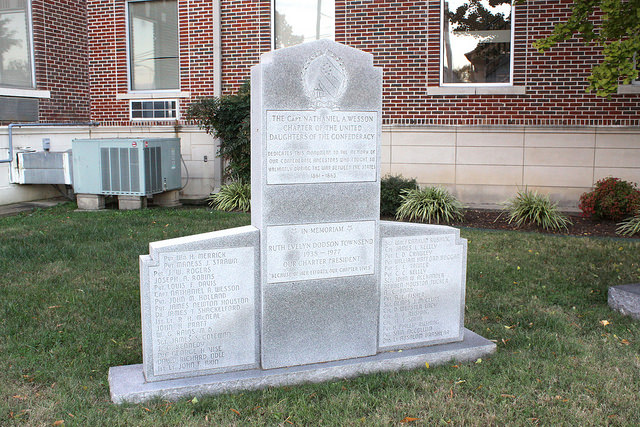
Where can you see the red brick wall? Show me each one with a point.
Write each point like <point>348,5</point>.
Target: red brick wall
<point>404,38</point>
<point>246,34</point>
<point>60,58</point>
<point>108,60</point>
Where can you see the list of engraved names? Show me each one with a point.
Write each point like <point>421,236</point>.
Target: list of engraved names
<point>202,310</point>
<point>321,146</point>
<point>421,289</point>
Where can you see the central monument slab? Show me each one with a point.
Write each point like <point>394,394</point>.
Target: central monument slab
<point>317,287</point>
<point>314,126</point>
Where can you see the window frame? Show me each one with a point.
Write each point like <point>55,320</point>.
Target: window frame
<point>273,24</point>
<point>471,85</point>
<point>30,43</point>
<point>128,48</point>
<point>154,119</point>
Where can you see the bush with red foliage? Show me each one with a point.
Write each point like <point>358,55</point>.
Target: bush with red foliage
<point>612,198</point>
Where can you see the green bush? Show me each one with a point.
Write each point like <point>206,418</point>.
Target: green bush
<point>611,198</point>
<point>390,188</point>
<point>232,197</point>
<point>630,226</point>
<point>228,118</point>
<point>529,207</point>
<point>434,205</point>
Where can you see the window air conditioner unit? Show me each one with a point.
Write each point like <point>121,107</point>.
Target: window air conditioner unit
<point>126,166</point>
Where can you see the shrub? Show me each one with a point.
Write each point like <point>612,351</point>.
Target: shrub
<point>630,226</point>
<point>430,204</point>
<point>228,118</point>
<point>612,198</point>
<point>232,197</point>
<point>390,188</point>
<point>529,207</point>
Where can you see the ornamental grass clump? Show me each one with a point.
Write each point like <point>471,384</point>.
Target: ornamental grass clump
<point>611,198</point>
<point>232,197</point>
<point>630,226</point>
<point>529,207</point>
<point>434,205</point>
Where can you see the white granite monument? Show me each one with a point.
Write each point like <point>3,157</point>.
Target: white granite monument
<point>317,287</point>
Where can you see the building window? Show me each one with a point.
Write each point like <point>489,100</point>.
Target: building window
<point>16,64</point>
<point>299,21</point>
<point>153,45</point>
<point>161,109</point>
<point>477,42</point>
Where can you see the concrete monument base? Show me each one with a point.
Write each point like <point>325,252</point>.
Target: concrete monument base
<point>127,383</point>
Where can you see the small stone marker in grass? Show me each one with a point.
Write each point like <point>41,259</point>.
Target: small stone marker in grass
<point>625,299</point>
<point>317,288</point>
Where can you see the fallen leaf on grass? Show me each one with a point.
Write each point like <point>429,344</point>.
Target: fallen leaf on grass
<point>17,396</point>
<point>58,423</point>
<point>146,409</point>
<point>478,361</point>
<point>508,395</point>
<point>235,411</point>
<point>426,364</point>
<point>54,306</point>
<point>625,342</point>
<point>605,322</point>
<point>194,400</point>
<point>406,420</point>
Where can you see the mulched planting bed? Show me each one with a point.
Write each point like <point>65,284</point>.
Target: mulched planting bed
<point>498,220</point>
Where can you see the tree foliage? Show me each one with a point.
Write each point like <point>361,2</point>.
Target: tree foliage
<point>474,16</point>
<point>612,24</point>
<point>228,118</point>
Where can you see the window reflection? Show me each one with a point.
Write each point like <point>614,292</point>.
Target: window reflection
<point>153,44</point>
<point>476,41</point>
<point>298,21</point>
<point>15,44</point>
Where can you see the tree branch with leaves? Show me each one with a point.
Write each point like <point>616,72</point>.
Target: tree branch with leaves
<point>614,25</point>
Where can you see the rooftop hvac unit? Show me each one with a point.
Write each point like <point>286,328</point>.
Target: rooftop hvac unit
<point>126,166</point>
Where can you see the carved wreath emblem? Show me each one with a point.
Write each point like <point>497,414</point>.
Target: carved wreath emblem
<point>324,79</point>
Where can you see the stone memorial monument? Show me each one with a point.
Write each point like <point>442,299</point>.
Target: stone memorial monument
<point>317,288</point>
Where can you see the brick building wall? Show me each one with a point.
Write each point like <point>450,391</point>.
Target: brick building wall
<point>403,36</point>
<point>60,58</point>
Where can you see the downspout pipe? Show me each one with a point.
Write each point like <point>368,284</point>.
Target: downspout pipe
<point>21,125</point>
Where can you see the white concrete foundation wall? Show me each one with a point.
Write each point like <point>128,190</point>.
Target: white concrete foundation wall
<point>481,165</point>
<point>204,176</point>
<point>488,165</point>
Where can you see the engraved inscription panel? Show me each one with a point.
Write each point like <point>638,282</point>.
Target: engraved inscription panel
<point>319,251</point>
<point>305,147</point>
<point>421,289</point>
<point>202,310</point>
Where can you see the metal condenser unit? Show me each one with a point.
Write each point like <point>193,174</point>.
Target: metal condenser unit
<point>126,166</point>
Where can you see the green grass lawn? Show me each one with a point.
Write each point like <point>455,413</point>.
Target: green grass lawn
<point>70,309</point>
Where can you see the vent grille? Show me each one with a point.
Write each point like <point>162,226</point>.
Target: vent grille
<point>153,173</point>
<point>120,170</point>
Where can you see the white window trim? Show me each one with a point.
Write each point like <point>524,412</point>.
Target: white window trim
<point>156,95</point>
<point>154,119</point>
<point>25,93</point>
<point>166,92</point>
<point>472,85</point>
<point>28,92</point>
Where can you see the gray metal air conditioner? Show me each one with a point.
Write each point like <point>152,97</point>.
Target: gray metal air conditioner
<point>126,166</point>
